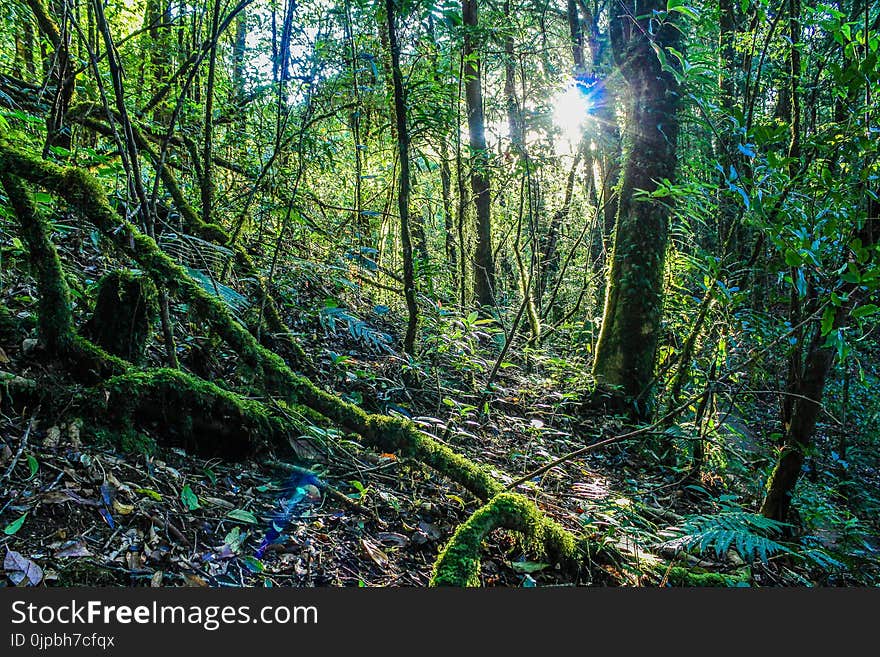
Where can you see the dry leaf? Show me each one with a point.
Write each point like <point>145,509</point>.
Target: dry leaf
<point>192,580</point>
<point>76,549</point>
<point>73,430</point>
<point>375,553</point>
<point>122,509</point>
<point>393,537</point>
<point>21,570</point>
<point>217,501</point>
<point>53,436</point>
<point>156,579</point>
<point>3,357</point>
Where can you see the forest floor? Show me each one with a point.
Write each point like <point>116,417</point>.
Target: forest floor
<point>80,511</point>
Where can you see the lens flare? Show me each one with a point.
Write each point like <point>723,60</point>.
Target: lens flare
<point>571,111</point>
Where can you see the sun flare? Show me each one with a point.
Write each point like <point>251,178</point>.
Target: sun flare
<point>571,111</point>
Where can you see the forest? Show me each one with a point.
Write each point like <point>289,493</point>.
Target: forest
<point>469,293</point>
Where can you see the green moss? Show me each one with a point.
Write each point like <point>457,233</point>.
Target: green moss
<point>459,562</point>
<point>133,441</point>
<point>679,576</point>
<point>55,321</point>
<point>190,412</point>
<point>125,310</point>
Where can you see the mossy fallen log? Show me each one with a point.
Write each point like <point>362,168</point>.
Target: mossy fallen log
<point>187,412</point>
<point>458,564</point>
<point>274,329</point>
<point>387,434</point>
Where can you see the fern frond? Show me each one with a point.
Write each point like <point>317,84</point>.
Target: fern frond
<point>749,534</point>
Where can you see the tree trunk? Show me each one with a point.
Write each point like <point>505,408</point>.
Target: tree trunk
<point>409,286</point>
<point>633,304</point>
<point>484,265</point>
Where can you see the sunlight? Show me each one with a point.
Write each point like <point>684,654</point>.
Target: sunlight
<point>571,111</point>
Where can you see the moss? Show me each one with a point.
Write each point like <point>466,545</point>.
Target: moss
<point>125,310</point>
<point>189,412</point>
<point>55,323</point>
<point>82,191</point>
<point>459,562</point>
<point>679,576</point>
<point>133,441</point>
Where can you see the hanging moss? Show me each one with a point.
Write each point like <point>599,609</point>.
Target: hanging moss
<point>125,311</point>
<point>459,562</point>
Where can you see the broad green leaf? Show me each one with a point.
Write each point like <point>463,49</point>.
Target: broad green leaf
<point>189,499</point>
<point>14,526</point>
<point>865,310</point>
<point>242,516</point>
<point>33,465</point>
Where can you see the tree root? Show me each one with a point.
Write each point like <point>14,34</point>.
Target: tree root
<point>458,564</point>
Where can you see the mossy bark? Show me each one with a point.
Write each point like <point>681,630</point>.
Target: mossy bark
<point>188,412</point>
<point>275,330</point>
<point>124,314</point>
<point>175,390</point>
<point>55,321</point>
<point>459,562</point>
<point>625,351</point>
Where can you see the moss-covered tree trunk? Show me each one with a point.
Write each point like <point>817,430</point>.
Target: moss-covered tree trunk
<point>124,314</point>
<point>55,321</point>
<point>633,302</point>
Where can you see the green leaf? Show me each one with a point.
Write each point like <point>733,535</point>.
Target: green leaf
<point>864,311</point>
<point>14,526</point>
<point>253,564</point>
<point>528,566</point>
<point>149,492</point>
<point>189,499</point>
<point>828,319</point>
<point>33,465</point>
<point>243,516</point>
<point>209,473</point>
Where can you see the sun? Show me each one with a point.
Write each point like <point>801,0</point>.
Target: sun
<point>571,112</point>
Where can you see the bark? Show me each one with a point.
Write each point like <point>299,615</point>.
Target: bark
<point>409,286</point>
<point>484,265</point>
<point>625,351</point>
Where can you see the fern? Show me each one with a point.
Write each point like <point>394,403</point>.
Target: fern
<point>357,328</point>
<point>235,301</point>
<point>747,533</point>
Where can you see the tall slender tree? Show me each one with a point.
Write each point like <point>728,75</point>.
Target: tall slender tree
<point>484,261</point>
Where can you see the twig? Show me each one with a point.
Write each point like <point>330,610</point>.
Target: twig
<point>21,447</point>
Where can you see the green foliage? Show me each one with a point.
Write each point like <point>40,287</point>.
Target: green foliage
<point>750,534</point>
